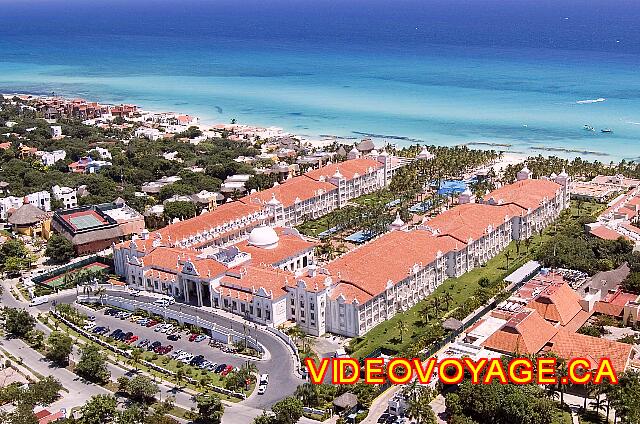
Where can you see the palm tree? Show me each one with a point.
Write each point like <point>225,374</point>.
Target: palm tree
<point>402,326</point>
<point>507,255</point>
<point>447,298</point>
<point>101,292</point>
<point>136,357</point>
<point>179,377</point>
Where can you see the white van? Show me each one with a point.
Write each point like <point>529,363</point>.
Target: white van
<point>39,300</point>
<point>264,379</point>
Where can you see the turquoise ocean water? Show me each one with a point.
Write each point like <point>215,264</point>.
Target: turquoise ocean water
<point>481,72</point>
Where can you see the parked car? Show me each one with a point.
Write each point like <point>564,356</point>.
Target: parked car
<point>200,338</point>
<point>193,336</point>
<point>173,330</point>
<point>220,367</point>
<point>159,328</point>
<point>131,339</point>
<point>89,326</point>
<point>125,336</point>
<point>91,318</point>
<point>212,366</point>
<point>174,337</point>
<point>264,379</point>
<point>151,323</point>
<point>261,389</point>
<point>135,318</point>
<point>161,302</point>
<point>144,343</point>
<point>115,333</point>
<point>135,293</point>
<point>227,370</point>
<point>187,359</point>
<point>166,328</point>
<point>143,321</point>
<point>154,345</point>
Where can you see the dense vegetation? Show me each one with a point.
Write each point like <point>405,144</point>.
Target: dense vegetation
<point>133,162</point>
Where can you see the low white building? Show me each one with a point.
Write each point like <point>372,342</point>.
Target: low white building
<point>102,153</point>
<point>56,131</point>
<point>66,195</point>
<point>49,158</point>
<point>40,199</point>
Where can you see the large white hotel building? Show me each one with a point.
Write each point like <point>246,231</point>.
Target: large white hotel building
<point>245,258</point>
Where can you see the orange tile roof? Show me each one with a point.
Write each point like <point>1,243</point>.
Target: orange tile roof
<point>526,193</point>
<point>470,221</point>
<point>295,189</point>
<point>571,345</point>
<point>387,258</point>
<point>348,169</point>
<point>610,309</point>
<point>172,259</point>
<point>166,257</point>
<point>251,278</point>
<point>558,303</point>
<point>605,233</point>
<point>225,213</point>
<point>349,292</point>
<point>525,333</point>
<point>621,298</point>
<point>289,246</point>
<point>578,321</point>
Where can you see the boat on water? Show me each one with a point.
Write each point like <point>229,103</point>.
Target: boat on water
<point>606,130</point>
<point>588,127</point>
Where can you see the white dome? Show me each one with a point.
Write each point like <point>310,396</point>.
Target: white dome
<point>263,237</point>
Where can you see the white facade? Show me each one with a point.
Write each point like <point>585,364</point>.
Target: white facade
<point>56,131</point>
<point>66,195</point>
<point>40,199</point>
<point>102,152</point>
<point>49,158</point>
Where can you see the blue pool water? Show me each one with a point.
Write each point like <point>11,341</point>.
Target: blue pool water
<point>483,72</point>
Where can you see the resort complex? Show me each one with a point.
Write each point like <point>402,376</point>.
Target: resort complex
<point>255,265</point>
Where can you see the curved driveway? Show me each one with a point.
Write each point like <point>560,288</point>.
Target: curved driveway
<point>280,366</point>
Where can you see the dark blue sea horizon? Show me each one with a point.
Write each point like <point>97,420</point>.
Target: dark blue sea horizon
<point>513,72</point>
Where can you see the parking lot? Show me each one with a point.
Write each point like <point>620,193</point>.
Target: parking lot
<point>208,352</point>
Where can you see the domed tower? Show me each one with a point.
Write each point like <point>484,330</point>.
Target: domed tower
<point>263,237</point>
<point>524,174</point>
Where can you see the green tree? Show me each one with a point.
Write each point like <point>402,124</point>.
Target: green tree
<point>100,409</point>
<point>59,249</point>
<point>264,418</point>
<point>59,347</point>
<point>288,410</point>
<point>141,389</point>
<point>180,209</point>
<point>43,392</point>
<point>18,322</point>
<point>208,410</point>
<point>93,365</point>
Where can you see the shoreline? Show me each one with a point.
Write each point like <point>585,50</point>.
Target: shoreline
<point>323,140</point>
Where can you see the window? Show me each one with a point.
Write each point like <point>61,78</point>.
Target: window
<point>215,302</point>
<point>267,315</point>
<point>242,307</point>
<point>235,304</point>
<point>301,314</point>
<point>259,313</point>
<point>312,306</point>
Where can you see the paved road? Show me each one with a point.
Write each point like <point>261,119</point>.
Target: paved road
<point>280,365</point>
